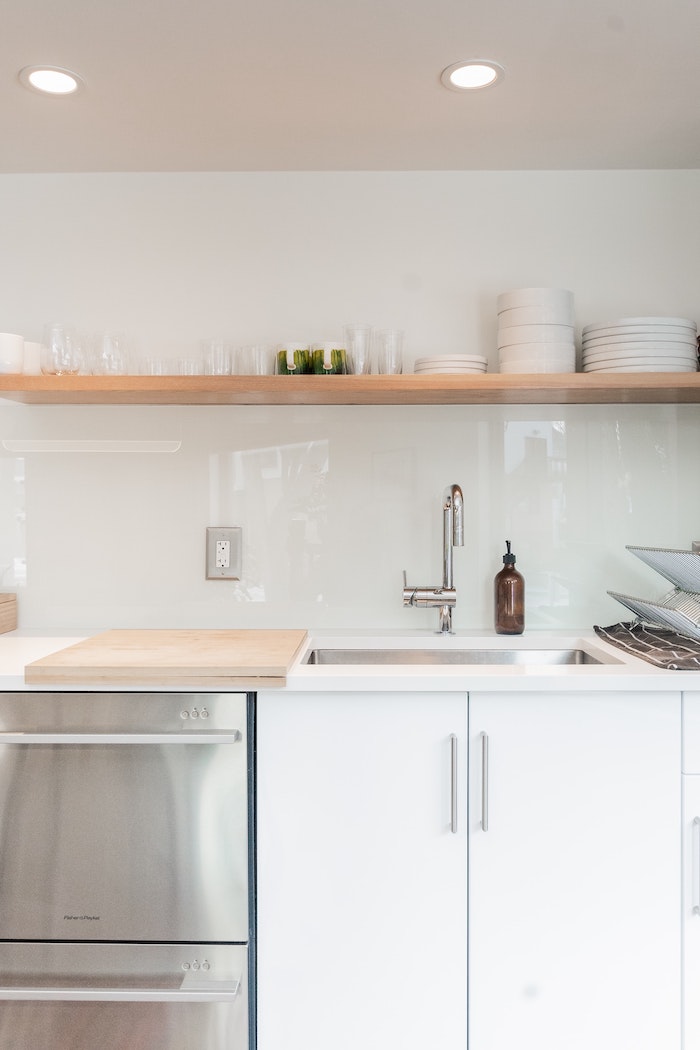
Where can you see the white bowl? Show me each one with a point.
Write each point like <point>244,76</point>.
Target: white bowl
<point>536,365</point>
<point>645,323</point>
<point>511,300</point>
<point>535,315</point>
<point>535,333</point>
<point>511,356</point>
<point>538,348</point>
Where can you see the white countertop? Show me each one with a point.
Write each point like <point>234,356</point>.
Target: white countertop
<point>18,648</point>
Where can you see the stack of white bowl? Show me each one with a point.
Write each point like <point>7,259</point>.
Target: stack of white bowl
<point>641,344</point>
<point>450,364</point>
<point>536,330</point>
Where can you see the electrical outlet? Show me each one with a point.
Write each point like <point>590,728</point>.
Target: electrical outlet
<point>224,553</point>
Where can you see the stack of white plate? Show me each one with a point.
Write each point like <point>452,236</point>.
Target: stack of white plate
<point>450,363</point>
<point>641,344</point>
<point>536,330</point>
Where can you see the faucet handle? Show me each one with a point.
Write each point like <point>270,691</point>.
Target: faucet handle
<point>408,592</point>
<point>428,597</point>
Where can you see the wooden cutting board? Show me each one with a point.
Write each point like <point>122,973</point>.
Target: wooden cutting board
<point>242,659</point>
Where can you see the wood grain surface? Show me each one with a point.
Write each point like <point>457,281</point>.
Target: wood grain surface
<point>167,657</point>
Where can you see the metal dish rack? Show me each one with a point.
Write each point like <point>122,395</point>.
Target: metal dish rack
<point>680,608</point>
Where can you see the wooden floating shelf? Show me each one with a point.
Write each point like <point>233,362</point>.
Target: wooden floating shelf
<point>489,389</point>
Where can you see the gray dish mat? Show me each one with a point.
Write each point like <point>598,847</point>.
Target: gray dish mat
<point>656,645</point>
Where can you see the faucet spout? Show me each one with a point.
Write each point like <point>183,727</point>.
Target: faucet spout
<point>443,598</point>
<point>454,494</point>
<point>452,536</point>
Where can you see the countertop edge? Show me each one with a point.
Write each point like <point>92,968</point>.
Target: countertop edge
<point>20,647</point>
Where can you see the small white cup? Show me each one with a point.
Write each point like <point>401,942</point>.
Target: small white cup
<point>11,353</point>
<point>32,359</point>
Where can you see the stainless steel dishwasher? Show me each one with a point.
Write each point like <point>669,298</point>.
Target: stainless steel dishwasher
<point>126,871</point>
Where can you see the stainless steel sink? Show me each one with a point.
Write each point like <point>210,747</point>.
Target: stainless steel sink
<point>547,657</point>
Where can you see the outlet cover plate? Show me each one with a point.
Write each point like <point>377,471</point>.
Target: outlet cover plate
<point>232,536</point>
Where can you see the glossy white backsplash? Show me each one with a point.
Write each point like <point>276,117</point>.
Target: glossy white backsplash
<point>104,510</point>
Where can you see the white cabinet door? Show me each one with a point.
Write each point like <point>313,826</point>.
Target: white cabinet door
<point>574,889</point>
<point>362,884</point>
<point>691,912</point>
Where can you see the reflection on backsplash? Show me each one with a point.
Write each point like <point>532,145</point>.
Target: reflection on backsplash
<point>278,495</point>
<point>13,563</point>
<point>334,502</point>
<point>535,469</point>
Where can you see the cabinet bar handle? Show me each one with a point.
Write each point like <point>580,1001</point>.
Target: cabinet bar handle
<point>484,782</point>
<point>453,783</point>
<point>695,874</point>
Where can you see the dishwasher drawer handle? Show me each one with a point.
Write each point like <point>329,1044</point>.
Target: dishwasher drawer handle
<point>224,991</point>
<point>121,738</point>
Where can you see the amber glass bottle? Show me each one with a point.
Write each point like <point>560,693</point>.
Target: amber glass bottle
<point>509,597</point>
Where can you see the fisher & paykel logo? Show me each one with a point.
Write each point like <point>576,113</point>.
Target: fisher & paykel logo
<point>81,918</point>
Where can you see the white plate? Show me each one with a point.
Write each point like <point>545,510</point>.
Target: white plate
<point>688,353</point>
<point>659,364</point>
<point>656,364</point>
<point>629,367</point>
<point>535,333</point>
<point>651,354</point>
<point>633,323</point>
<point>535,297</point>
<point>446,364</point>
<point>452,359</point>
<point>640,338</point>
<point>454,371</point>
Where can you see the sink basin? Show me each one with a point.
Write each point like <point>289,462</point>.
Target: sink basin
<point>539,657</point>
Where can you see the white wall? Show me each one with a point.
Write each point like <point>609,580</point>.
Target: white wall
<point>335,502</point>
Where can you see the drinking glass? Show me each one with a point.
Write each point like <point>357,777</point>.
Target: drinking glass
<point>389,343</point>
<point>358,339</point>
<point>255,361</point>
<point>217,358</point>
<point>61,350</point>
<point>189,366</point>
<point>108,354</point>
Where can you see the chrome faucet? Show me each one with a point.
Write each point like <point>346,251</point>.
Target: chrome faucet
<point>443,598</point>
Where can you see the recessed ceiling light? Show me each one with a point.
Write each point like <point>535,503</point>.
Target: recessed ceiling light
<point>475,73</point>
<point>50,80</point>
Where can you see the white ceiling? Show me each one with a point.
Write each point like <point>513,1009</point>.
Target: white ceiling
<point>250,85</point>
